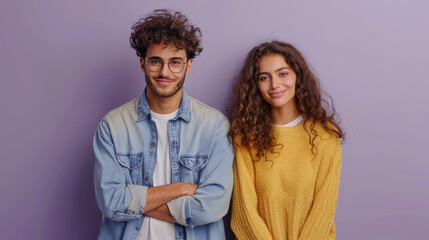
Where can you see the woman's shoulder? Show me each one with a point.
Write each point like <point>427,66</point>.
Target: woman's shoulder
<point>325,130</point>
<point>325,135</point>
<point>242,150</point>
<point>238,139</point>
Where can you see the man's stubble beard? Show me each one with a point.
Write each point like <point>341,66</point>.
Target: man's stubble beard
<point>177,88</point>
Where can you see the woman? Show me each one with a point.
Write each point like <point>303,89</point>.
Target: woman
<point>288,152</point>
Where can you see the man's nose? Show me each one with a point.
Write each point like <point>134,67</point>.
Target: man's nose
<point>165,71</point>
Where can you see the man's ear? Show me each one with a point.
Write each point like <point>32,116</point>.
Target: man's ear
<point>142,62</point>
<point>189,65</point>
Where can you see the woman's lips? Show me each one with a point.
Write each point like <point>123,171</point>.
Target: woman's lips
<point>277,94</point>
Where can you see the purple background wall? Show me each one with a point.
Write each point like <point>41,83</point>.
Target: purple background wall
<point>64,64</point>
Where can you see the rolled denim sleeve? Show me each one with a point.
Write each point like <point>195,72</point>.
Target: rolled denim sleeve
<point>211,199</point>
<point>176,207</point>
<point>113,193</point>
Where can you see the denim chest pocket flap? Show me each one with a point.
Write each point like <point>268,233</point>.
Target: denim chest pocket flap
<point>130,161</point>
<point>195,162</point>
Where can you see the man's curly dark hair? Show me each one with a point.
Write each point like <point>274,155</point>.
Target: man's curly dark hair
<point>166,27</point>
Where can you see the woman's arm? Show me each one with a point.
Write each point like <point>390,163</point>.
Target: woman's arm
<point>320,220</point>
<point>245,220</point>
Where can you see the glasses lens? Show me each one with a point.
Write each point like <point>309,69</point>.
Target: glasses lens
<point>176,66</point>
<point>155,65</point>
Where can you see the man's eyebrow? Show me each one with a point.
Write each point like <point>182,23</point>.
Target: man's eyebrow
<point>278,70</point>
<point>177,58</point>
<point>173,58</point>
<point>154,57</point>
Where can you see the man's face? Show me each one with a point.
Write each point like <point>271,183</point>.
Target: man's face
<point>165,83</point>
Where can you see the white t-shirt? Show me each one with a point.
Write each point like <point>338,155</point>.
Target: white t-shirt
<point>152,228</point>
<point>293,123</point>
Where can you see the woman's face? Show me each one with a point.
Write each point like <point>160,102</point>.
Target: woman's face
<point>276,82</point>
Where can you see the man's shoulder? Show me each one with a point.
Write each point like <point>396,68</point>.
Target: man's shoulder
<point>204,111</point>
<point>127,111</point>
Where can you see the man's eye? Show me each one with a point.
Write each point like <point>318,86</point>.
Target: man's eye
<point>175,63</point>
<point>155,62</point>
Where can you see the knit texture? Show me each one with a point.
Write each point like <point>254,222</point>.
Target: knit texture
<point>290,193</point>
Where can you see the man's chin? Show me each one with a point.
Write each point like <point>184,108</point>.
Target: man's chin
<point>164,93</point>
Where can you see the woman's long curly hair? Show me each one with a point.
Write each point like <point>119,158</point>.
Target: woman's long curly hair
<point>250,114</point>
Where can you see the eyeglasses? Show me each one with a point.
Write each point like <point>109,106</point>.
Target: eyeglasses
<point>175,66</point>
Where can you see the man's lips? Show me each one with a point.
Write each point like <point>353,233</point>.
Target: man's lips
<point>277,94</point>
<point>163,81</point>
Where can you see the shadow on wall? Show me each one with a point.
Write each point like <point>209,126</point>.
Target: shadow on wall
<point>69,207</point>
<point>112,84</point>
<point>106,87</point>
<point>69,210</point>
<point>227,222</point>
<point>83,202</point>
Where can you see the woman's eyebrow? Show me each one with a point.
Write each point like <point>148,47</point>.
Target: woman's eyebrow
<point>274,71</point>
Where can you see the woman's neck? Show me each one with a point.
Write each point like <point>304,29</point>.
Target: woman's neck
<point>284,115</point>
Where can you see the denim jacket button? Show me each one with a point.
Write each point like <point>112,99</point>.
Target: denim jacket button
<point>152,144</point>
<point>146,179</point>
<point>137,228</point>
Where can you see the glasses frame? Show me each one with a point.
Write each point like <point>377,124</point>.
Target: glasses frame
<point>168,64</point>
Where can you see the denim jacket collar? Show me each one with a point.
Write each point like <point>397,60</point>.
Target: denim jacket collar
<point>184,110</point>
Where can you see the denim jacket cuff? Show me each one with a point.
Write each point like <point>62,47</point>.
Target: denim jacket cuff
<point>177,209</point>
<point>138,198</point>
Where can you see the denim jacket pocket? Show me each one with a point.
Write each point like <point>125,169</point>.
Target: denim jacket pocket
<point>132,166</point>
<point>192,166</point>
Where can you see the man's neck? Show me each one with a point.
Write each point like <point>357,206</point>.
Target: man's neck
<point>163,105</point>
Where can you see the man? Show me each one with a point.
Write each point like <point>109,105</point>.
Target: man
<point>163,166</point>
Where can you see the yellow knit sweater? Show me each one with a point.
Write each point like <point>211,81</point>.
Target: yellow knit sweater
<point>292,193</point>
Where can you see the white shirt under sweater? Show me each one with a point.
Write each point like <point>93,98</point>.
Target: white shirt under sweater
<point>293,123</point>
<point>152,228</point>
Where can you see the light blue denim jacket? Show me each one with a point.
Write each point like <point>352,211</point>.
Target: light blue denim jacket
<point>125,146</point>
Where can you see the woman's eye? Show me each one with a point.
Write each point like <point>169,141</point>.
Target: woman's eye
<point>263,78</point>
<point>283,74</point>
